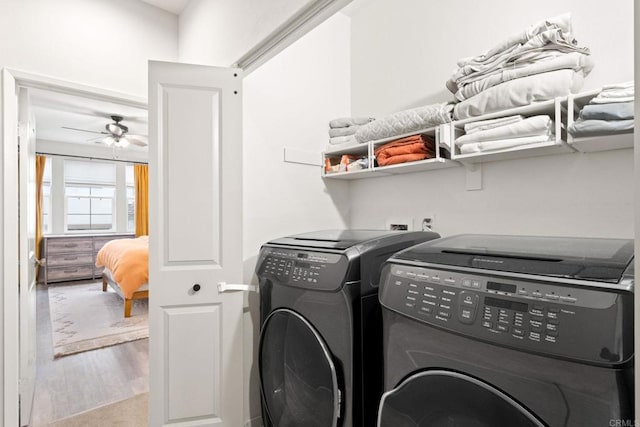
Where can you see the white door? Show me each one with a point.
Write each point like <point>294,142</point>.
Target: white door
<point>195,243</point>
<point>27,280</point>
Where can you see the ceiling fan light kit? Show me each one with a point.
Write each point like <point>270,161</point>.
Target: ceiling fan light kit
<point>117,134</point>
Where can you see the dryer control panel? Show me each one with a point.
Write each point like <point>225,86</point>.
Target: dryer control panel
<point>301,268</point>
<point>585,323</point>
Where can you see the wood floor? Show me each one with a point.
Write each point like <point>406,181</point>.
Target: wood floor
<point>80,382</point>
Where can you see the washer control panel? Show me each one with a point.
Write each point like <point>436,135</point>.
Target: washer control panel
<point>308,269</point>
<point>534,315</point>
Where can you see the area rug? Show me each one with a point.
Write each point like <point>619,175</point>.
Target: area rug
<point>85,318</point>
<point>130,412</point>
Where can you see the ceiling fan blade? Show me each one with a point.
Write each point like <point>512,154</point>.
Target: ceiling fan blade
<point>139,140</point>
<point>84,130</point>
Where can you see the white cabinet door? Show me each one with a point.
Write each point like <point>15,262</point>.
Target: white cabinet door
<point>27,237</point>
<point>195,242</point>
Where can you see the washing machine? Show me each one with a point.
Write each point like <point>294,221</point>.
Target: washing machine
<point>320,352</point>
<point>485,330</point>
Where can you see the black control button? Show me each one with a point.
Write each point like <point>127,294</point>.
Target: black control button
<point>467,315</point>
<point>487,324</point>
<point>411,291</point>
<point>426,310</point>
<point>444,314</point>
<point>536,330</point>
<point>448,292</point>
<point>430,296</point>
<point>536,312</point>
<point>554,309</point>
<point>410,305</point>
<point>551,315</point>
<point>534,336</point>
<point>446,299</point>
<point>431,303</point>
<point>552,321</point>
<point>503,328</point>
<point>411,298</point>
<point>535,323</point>
<point>552,333</point>
<point>552,327</point>
<point>445,306</point>
<point>518,332</point>
<point>469,299</point>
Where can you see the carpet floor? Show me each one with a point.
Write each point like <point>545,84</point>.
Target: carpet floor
<point>131,412</point>
<point>83,318</point>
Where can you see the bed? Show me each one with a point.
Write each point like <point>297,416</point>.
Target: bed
<point>126,269</point>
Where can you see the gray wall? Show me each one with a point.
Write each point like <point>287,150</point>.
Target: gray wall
<point>403,52</point>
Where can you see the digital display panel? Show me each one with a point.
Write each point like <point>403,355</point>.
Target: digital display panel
<point>502,287</point>
<point>303,264</point>
<point>509,305</point>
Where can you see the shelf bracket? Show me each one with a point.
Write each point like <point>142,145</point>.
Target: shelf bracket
<point>473,176</point>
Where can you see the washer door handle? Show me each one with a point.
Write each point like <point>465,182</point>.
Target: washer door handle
<point>228,287</point>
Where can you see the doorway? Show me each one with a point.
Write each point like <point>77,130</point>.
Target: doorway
<point>69,123</point>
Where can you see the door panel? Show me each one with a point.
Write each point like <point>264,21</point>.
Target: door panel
<point>27,221</point>
<point>195,238</point>
<point>204,342</point>
<point>202,243</point>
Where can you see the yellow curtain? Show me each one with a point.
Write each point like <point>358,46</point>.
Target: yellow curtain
<point>141,177</point>
<point>40,163</point>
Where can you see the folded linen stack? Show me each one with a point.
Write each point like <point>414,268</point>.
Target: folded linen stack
<point>409,149</point>
<point>610,112</point>
<point>404,122</point>
<point>342,130</point>
<point>505,132</point>
<point>538,64</point>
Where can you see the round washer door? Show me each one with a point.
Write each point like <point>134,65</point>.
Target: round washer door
<point>449,399</point>
<point>297,375</point>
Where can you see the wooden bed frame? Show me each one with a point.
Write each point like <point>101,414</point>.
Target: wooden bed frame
<point>106,281</point>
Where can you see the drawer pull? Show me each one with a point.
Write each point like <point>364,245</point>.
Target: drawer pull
<point>70,258</point>
<point>71,271</point>
<point>70,245</point>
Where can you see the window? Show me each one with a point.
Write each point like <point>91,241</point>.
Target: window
<point>131,198</point>
<point>89,192</point>
<point>46,197</point>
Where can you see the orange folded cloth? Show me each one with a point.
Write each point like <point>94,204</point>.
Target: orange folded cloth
<point>128,261</point>
<point>409,149</point>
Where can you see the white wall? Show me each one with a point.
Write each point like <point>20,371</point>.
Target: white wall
<point>401,58</point>
<point>288,102</point>
<point>220,32</point>
<point>103,43</point>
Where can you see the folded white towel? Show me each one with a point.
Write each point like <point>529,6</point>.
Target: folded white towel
<point>481,125</point>
<point>519,92</point>
<point>502,144</point>
<point>598,100</point>
<point>349,130</point>
<point>541,63</point>
<point>531,126</point>
<point>344,122</point>
<point>623,85</point>
<point>340,140</point>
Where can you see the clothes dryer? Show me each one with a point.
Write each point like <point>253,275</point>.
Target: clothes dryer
<point>320,353</point>
<point>508,331</point>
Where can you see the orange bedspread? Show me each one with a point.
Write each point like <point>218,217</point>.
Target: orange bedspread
<point>128,261</point>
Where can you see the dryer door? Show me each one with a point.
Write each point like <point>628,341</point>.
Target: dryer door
<point>443,398</point>
<point>298,378</point>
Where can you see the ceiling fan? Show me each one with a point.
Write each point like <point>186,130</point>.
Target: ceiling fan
<point>117,134</point>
